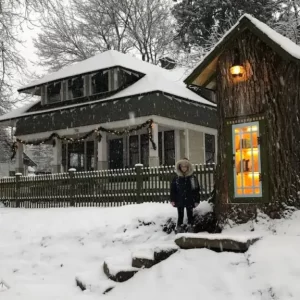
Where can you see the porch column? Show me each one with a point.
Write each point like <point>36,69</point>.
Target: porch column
<point>186,144</point>
<point>102,163</point>
<point>153,154</point>
<point>57,156</point>
<point>19,167</point>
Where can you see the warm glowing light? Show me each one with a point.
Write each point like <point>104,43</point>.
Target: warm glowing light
<point>253,128</point>
<point>253,174</point>
<point>253,151</point>
<point>237,71</point>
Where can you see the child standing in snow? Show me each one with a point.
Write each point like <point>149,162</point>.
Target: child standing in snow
<point>185,193</point>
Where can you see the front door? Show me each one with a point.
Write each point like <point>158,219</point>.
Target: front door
<point>116,154</point>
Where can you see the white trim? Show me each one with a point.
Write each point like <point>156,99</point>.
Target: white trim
<point>102,148</point>
<point>241,125</point>
<point>175,124</point>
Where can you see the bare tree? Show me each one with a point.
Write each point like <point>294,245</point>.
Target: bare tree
<point>288,22</point>
<point>80,29</point>
<point>150,27</point>
<point>61,41</point>
<point>104,24</point>
<point>13,15</point>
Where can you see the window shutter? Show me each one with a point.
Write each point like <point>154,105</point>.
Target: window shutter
<point>86,85</point>
<point>63,91</point>
<point>43,95</point>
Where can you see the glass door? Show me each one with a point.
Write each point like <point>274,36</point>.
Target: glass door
<point>247,162</point>
<point>116,154</point>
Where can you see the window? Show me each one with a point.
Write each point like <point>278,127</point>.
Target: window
<point>116,154</point>
<point>79,156</point>
<point>169,145</point>
<point>76,156</point>
<point>75,87</point>
<point>53,92</point>
<point>246,153</point>
<point>166,148</point>
<point>210,148</point>
<point>127,78</point>
<point>90,155</point>
<point>139,150</point>
<point>99,82</point>
<point>134,157</point>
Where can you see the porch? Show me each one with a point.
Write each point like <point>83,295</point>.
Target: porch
<point>173,140</point>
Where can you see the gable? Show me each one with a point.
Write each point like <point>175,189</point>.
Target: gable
<point>284,47</point>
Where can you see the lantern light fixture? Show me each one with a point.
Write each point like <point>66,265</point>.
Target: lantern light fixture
<point>237,70</point>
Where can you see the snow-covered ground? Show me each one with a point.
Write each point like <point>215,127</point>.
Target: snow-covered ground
<point>42,250</point>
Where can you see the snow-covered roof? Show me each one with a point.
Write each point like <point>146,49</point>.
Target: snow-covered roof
<point>101,61</point>
<point>145,85</point>
<point>270,34</point>
<point>17,112</point>
<point>155,79</point>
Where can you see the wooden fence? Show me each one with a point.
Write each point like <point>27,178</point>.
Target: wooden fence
<point>97,188</point>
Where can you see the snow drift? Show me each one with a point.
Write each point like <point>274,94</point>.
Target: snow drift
<point>43,250</point>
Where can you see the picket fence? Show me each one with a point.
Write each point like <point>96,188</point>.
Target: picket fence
<point>98,188</point>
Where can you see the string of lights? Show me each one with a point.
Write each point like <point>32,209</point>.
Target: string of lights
<point>96,132</point>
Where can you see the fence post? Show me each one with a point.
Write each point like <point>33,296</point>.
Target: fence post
<point>139,182</point>
<point>72,184</point>
<point>18,185</point>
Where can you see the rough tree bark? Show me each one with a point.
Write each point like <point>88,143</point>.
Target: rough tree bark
<point>272,90</point>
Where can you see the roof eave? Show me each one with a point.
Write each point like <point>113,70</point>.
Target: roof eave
<point>10,122</point>
<point>14,119</point>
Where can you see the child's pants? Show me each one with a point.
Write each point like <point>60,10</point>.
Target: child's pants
<point>190,215</point>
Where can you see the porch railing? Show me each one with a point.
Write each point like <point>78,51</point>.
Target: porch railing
<point>98,188</point>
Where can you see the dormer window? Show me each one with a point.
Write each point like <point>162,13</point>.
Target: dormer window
<point>54,92</point>
<point>128,78</point>
<point>99,82</point>
<point>75,87</point>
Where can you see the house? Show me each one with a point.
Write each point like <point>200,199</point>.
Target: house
<point>254,72</point>
<point>7,166</point>
<point>114,111</point>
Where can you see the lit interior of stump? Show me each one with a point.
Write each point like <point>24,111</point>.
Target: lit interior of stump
<point>247,160</point>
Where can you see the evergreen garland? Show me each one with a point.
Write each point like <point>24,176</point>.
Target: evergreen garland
<point>96,131</point>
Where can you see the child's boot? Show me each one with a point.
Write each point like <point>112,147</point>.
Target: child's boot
<point>190,228</point>
<point>180,229</point>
